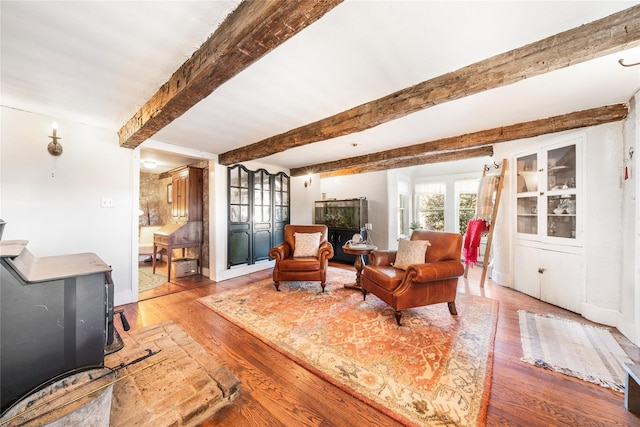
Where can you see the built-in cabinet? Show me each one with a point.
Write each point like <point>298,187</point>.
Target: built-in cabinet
<point>548,198</point>
<point>186,189</point>
<point>258,212</point>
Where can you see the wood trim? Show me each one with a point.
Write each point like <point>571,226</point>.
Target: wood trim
<point>602,37</point>
<point>254,29</point>
<point>433,151</point>
<point>403,162</point>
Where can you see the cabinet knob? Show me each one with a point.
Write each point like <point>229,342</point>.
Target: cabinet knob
<point>541,270</point>
<point>542,193</point>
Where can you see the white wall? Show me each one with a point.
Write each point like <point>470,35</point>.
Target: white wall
<point>629,317</point>
<point>373,186</point>
<point>303,198</point>
<point>55,202</point>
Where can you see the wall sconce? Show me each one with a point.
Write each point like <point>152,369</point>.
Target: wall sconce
<point>55,149</point>
<point>307,182</point>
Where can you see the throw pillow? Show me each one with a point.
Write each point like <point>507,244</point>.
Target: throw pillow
<point>410,252</point>
<point>307,244</point>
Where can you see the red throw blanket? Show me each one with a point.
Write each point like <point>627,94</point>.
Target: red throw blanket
<point>475,228</point>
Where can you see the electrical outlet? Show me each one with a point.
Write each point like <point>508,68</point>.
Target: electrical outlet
<point>368,226</point>
<point>107,202</point>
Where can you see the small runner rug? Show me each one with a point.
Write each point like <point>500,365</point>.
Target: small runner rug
<point>572,348</point>
<point>435,370</point>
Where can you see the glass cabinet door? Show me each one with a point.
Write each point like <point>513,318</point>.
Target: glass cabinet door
<point>527,194</point>
<point>561,192</point>
<point>547,199</point>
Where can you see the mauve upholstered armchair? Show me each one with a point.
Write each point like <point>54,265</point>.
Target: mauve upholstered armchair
<point>311,264</point>
<point>433,281</point>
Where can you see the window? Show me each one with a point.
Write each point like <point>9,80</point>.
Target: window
<point>430,203</point>
<point>466,195</point>
<point>402,214</point>
<point>403,207</point>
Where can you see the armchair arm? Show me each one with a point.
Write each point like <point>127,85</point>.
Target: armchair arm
<point>280,252</point>
<point>382,257</point>
<point>325,251</point>
<point>433,271</point>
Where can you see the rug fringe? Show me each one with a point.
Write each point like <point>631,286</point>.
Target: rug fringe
<point>568,372</point>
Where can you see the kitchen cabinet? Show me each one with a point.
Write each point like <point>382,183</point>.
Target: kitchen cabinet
<point>548,233</point>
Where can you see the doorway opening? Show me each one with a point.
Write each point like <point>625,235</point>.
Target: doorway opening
<point>157,214</point>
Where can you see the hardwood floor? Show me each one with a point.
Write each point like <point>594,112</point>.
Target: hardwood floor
<point>170,287</point>
<point>277,392</point>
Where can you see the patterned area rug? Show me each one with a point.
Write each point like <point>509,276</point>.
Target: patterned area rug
<point>147,280</point>
<point>435,370</point>
<point>582,351</point>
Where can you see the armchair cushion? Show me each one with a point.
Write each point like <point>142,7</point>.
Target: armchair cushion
<point>410,252</point>
<point>306,245</point>
<point>386,277</point>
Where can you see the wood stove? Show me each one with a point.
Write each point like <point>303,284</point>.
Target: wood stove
<point>56,318</point>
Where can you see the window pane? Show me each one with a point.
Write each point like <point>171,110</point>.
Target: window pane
<point>466,210</point>
<point>430,200</point>
<point>466,196</point>
<point>244,178</point>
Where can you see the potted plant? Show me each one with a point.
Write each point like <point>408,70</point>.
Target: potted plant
<point>414,226</point>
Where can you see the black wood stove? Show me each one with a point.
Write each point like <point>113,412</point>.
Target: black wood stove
<point>56,318</point>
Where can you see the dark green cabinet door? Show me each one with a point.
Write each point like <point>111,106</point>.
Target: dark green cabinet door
<point>239,248</point>
<point>257,214</point>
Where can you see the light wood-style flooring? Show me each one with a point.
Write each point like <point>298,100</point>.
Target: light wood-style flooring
<point>277,392</point>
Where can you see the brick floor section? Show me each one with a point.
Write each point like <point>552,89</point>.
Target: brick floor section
<point>183,386</point>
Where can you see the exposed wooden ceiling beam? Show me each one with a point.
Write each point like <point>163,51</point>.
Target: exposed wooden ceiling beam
<point>411,155</point>
<point>608,35</point>
<point>422,159</point>
<point>254,29</point>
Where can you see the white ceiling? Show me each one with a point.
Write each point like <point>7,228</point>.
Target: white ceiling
<point>98,62</point>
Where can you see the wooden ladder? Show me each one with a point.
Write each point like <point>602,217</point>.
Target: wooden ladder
<point>496,202</point>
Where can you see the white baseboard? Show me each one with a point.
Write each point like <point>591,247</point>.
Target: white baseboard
<point>501,279</point>
<point>241,270</point>
<point>628,329</point>
<point>600,315</point>
<point>124,297</point>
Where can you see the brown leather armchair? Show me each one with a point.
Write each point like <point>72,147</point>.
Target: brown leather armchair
<point>433,282</point>
<point>308,268</point>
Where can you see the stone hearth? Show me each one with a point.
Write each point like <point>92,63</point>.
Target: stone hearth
<point>183,386</point>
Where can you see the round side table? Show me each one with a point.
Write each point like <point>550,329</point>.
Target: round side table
<point>359,251</point>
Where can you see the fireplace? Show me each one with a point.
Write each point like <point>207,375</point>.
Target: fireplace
<point>56,318</point>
